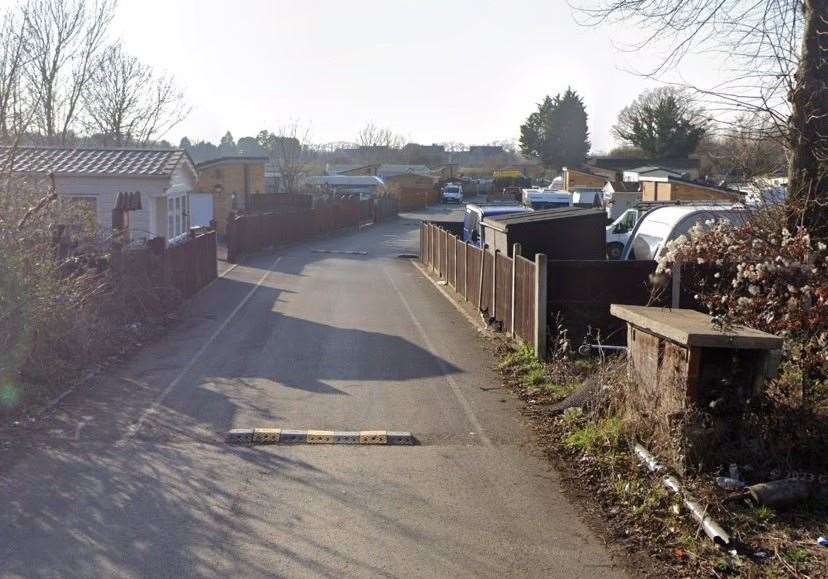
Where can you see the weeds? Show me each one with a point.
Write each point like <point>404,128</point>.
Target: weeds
<point>591,437</point>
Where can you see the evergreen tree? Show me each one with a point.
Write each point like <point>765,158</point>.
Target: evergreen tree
<point>663,123</point>
<point>557,132</point>
<point>227,145</point>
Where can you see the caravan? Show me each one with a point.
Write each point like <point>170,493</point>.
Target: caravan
<point>663,224</point>
<point>545,198</point>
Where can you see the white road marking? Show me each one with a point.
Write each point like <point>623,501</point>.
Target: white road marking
<point>152,408</point>
<point>464,403</point>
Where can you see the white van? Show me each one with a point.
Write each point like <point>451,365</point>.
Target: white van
<point>619,232</point>
<point>545,198</point>
<point>452,193</point>
<point>664,224</point>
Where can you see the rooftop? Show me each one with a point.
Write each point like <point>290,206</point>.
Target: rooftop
<point>234,159</point>
<point>100,162</point>
<point>545,215</point>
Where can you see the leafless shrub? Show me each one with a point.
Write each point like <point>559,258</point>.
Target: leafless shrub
<point>67,299</point>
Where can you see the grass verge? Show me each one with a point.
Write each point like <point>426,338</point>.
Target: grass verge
<point>589,444</point>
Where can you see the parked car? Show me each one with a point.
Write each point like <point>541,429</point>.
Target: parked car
<point>545,198</point>
<point>619,231</point>
<point>472,229</point>
<point>452,193</point>
<point>665,223</point>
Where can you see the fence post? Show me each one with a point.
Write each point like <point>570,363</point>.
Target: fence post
<point>466,271</point>
<point>540,306</point>
<point>515,253</point>
<point>675,290</point>
<point>493,314</point>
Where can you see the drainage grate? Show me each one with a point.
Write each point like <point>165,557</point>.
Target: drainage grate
<point>256,436</point>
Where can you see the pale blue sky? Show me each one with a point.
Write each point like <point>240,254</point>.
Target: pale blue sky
<point>451,70</point>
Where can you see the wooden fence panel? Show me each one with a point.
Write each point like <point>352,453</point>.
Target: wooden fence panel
<point>524,298</point>
<point>451,261</point>
<point>460,277</point>
<point>473,274</point>
<point>503,293</point>
<point>582,291</point>
<point>488,266</point>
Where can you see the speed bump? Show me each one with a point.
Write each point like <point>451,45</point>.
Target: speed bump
<point>320,437</point>
<point>241,436</point>
<point>373,437</point>
<point>256,436</point>
<point>266,435</point>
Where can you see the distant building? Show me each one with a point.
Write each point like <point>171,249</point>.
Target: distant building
<point>362,185</point>
<point>227,181</point>
<point>684,166</point>
<point>673,189</point>
<point>427,154</point>
<point>585,178</point>
<point>652,171</point>
<point>481,154</point>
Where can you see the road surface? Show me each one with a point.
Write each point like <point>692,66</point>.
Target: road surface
<point>130,477</point>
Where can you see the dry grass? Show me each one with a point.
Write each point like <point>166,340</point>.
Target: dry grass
<point>590,444</point>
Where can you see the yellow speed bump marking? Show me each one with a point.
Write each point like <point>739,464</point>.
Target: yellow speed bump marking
<point>266,435</point>
<point>320,437</point>
<point>373,437</point>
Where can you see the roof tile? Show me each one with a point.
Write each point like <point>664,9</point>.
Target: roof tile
<point>103,162</point>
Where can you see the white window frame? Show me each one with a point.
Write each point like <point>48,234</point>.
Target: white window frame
<point>178,216</point>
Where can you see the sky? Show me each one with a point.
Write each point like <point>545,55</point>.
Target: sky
<point>431,71</point>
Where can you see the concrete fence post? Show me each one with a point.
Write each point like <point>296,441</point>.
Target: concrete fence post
<point>540,306</point>
<point>493,313</point>
<point>466,271</point>
<point>675,290</point>
<point>516,249</point>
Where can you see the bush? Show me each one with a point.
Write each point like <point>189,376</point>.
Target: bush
<point>761,275</point>
<point>65,300</point>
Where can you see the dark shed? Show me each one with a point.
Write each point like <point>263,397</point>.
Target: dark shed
<point>564,233</point>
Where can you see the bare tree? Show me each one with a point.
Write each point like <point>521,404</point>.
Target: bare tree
<point>374,136</point>
<point>777,50</point>
<point>289,150</point>
<point>127,104</point>
<point>14,107</point>
<point>746,150</point>
<point>65,38</point>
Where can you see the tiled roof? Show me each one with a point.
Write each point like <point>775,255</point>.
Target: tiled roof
<point>103,162</point>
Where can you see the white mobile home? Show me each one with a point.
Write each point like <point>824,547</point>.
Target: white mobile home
<point>147,190</point>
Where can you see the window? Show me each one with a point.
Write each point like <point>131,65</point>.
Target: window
<point>178,218</point>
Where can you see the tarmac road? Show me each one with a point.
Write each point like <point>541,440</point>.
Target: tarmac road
<point>130,476</point>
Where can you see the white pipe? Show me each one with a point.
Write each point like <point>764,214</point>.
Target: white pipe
<point>711,528</point>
